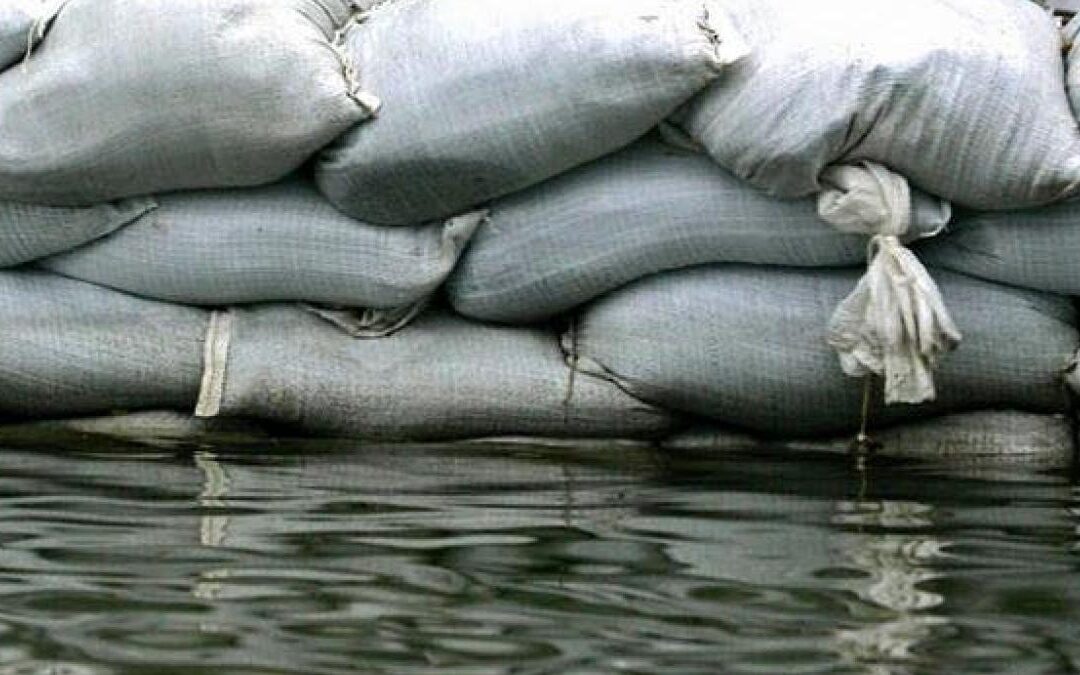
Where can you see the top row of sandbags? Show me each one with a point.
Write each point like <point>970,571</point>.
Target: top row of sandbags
<point>479,97</point>
<point>474,99</point>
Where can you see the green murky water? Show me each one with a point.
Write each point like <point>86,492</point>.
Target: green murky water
<point>619,560</point>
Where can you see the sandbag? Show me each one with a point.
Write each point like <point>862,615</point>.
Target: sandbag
<point>71,348</point>
<point>442,377</point>
<point>32,231</point>
<point>1033,248</point>
<point>17,21</point>
<point>155,428</point>
<point>278,242</point>
<point>985,439</point>
<point>746,346</point>
<point>964,97</point>
<point>484,97</point>
<point>648,208</point>
<point>130,97</point>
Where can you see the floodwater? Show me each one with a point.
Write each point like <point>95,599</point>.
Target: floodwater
<point>341,558</point>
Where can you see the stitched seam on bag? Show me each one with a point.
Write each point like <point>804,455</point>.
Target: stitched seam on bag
<point>369,103</point>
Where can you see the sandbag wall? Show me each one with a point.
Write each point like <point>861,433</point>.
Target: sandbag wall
<point>444,219</point>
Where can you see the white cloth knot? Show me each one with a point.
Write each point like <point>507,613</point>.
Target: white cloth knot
<point>895,323</point>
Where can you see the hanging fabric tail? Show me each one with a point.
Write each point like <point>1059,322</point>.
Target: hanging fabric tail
<point>895,323</point>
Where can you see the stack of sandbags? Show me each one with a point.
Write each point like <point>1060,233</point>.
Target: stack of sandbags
<point>161,154</point>
<point>967,102</point>
<point>712,202</point>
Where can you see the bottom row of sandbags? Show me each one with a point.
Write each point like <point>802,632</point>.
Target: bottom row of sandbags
<point>982,440</point>
<point>735,345</point>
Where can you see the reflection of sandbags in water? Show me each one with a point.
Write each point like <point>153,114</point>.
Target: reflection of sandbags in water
<point>746,346</point>
<point>986,438</point>
<point>522,91</point>
<point>1033,248</point>
<point>122,98</point>
<point>897,566</point>
<point>442,377</point>
<point>72,348</point>
<point>965,98</point>
<point>32,231</point>
<point>280,242</point>
<point>646,209</point>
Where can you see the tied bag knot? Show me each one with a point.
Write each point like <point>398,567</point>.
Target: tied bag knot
<point>895,323</point>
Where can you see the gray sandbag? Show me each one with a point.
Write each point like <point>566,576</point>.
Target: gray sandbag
<point>17,22</point>
<point>279,242</point>
<point>648,208</point>
<point>442,377</point>
<point>746,346</point>
<point>964,97</point>
<point>485,97</point>
<point>32,231</point>
<point>155,428</point>
<point>130,97</point>
<point>1033,248</point>
<point>71,348</point>
<point>984,439</point>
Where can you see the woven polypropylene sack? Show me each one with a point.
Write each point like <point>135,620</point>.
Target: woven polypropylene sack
<point>278,242</point>
<point>442,377</point>
<point>1033,248</point>
<point>645,209</point>
<point>964,97</point>
<point>72,348</point>
<point>130,97</point>
<point>31,231</point>
<point>485,97</point>
<point>746,346</point>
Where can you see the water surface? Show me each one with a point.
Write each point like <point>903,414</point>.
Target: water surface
<point>342,558</point>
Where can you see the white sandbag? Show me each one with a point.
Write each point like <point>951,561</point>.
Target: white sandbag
<point>484,97</point>
<point>964,97</point>
<point>281,242</point>
<point>1034,248</point>
<point>646,209</point>
<point>32,231</point>
<point>442,377</point>
<point>746,346</point>
<point>71,348</point>
<point>130,97</point>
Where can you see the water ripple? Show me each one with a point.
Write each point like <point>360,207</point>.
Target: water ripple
<point>511,560</point>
